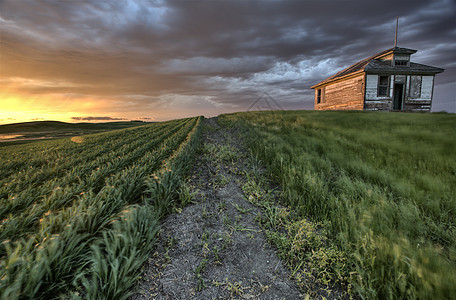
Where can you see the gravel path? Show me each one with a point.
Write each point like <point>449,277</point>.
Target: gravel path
<point>214,248</point>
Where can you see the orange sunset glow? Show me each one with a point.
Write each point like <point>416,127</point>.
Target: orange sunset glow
<point>160,60</point>
<point>24,108</point>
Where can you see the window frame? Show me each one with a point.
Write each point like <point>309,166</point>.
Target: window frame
<point>319,93</point>
<point>383,86</point>
<point>401,63</point>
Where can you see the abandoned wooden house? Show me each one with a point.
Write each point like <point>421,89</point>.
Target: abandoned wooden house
<point>387,81</point>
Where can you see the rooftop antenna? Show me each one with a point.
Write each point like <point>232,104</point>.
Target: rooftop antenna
<point>395,38</point>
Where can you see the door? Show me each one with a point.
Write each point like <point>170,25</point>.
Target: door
<point>398,96</point>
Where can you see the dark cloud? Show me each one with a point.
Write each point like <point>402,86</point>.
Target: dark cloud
<point>160,55</point>
<point>97,119</point>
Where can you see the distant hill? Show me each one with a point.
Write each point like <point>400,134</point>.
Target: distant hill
<point>40,126</point>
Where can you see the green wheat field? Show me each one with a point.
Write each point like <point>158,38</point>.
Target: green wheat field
<point>81,213</point>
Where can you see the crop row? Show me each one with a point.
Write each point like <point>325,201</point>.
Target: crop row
<point>59,192</point>
<point>56,152</point>
<point>47,164</point>
<point>82,176</point>
<point>73,221</point>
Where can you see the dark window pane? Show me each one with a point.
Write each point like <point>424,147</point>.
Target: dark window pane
<point>383,80</point>
<point>382,90</point>
<point>400,63</point>
<point>383,84</point>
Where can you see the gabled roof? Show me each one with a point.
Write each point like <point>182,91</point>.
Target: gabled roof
<point>375,64</point>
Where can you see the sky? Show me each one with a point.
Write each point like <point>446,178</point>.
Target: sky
<point>155,60</point>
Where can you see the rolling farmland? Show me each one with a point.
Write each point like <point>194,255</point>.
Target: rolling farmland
<point>382,186</point>
<point>366,206</point>
<point>80,214</point>
<point>23,133</point>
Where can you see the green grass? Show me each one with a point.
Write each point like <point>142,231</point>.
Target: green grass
<point>383,184</point>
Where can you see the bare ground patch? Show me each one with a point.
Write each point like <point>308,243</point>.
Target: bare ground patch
<point>214,248</point>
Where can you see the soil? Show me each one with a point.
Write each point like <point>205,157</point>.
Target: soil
<point>214,248</point>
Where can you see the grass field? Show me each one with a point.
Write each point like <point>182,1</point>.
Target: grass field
<point>22,133</point>
<point>78,216</point>
<point>368,202</point>
<point>383,185</point>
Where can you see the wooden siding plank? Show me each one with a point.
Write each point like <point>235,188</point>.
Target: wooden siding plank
<point>392,78</point>
<point>426,87</point>
<point>343,95</point>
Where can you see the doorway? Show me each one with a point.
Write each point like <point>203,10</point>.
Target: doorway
<point>398,96</point>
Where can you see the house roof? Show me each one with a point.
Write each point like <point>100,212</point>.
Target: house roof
<point>374,64</point>
<point>383,66</point>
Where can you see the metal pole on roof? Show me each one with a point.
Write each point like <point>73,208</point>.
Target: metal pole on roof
<point>395,38</point>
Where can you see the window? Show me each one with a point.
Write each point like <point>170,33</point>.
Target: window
<point>319,96</point>
<point>400,63</point>
<point>383,85</point>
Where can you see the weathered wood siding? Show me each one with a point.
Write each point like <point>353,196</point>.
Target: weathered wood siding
<point>374,102</point>
<point>419,93</point>
<point>346,94</point>
<point>426,87</point>
<point>388,57</point>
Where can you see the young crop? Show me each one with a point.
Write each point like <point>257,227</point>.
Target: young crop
<point>116,258</point>
<point>83,219</point>
<point>162,190</point>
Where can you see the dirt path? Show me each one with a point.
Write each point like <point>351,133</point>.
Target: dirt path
<point>214,248</point>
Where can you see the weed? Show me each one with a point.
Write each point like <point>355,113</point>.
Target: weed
<point>221,206</point>
<point>199,276</point>
<point>242,210</point>
<point>205,236</point>
<point>240,228</point>
<point>170,242</point>
<point>224,153</point>
<point>221,180</point>
<point>215,252</point>
<point>204,213</point>
<point>227,240</point>
<point>185,196</point>
<point>227,221</point>
<point>255,164</point>
<point>234,288</point>
<point>227,153</point>
<point>271,213</point>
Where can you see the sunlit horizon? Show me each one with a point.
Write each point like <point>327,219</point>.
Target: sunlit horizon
<point>54,107</point>
<point>163,60</point>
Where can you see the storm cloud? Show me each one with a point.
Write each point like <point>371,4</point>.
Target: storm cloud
<point>171,59</point>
